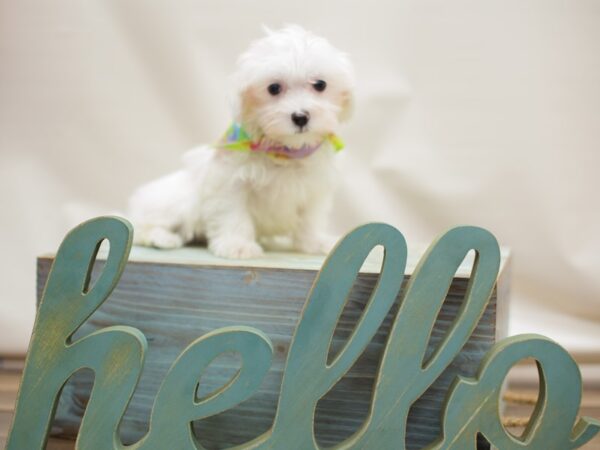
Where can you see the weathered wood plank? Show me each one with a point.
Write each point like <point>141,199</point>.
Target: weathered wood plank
<point>5,419</point>
<point>13,363</point>
<point>8,382</point>
<point>189,294</point>
<point>7,400</point>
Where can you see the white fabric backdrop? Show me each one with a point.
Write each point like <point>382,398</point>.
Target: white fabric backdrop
<point>485,113</point>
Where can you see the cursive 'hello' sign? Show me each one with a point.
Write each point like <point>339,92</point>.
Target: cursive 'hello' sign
<point>116,355</point>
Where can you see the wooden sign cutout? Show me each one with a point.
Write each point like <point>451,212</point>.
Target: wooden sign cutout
<point>116,355</point>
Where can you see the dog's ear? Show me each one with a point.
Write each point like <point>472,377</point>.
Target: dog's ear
<point>235,103</point>
<point>347,105</point>
<point>246,104</point>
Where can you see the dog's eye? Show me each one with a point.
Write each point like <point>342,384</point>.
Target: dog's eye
<point>319,85</point>
<point>274,88</point>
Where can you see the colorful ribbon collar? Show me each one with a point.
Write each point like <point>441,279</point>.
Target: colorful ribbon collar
<point>236,138</point>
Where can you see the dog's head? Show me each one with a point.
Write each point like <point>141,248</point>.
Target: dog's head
<point>293,87</point>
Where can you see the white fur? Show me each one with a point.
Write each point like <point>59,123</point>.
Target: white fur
<point>234,199</point>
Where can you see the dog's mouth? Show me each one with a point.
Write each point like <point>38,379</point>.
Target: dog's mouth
<point>301,137</point>
<point>301,127</point>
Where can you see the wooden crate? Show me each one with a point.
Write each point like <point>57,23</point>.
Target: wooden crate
<point>175,296</point>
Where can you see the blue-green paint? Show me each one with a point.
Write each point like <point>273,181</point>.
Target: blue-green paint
<point>116,354</point>
<point>473,404</point>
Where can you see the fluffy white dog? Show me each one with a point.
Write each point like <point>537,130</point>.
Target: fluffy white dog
<point>273,172</point>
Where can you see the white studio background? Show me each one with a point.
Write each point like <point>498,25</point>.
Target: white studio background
<point>485,113</point>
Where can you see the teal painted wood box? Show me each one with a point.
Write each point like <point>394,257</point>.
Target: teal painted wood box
<point>175,296</point>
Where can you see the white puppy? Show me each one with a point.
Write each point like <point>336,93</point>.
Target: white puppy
<point>273,172</point>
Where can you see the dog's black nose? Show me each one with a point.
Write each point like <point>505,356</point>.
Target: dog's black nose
<point>300,118</point>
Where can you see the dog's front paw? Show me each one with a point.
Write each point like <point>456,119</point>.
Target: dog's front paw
<point>316,245</point>
<point>235,248</point>
<point>158,237</point>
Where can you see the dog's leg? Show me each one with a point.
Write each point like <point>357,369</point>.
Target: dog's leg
<point>309,236</point>
<point>230,231</point>
<point>314,242</point>
<point>156,236</point>
<point>234,240</point>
